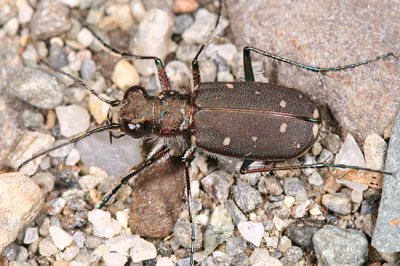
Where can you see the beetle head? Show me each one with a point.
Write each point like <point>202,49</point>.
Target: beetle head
<point>136,113</point>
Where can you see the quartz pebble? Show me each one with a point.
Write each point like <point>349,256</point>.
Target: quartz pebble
<point>165,261</point>
<point>114,259</point>
<point>142,250</point>
<point>350,153</point>
<point>61,239</point>
<point>218,230</point>
<point>103,224</point>
<point>73,157</point>
<point>217,185</point>
<point>260,256</point>
<point>73,119</point>
<point>29,144</point>
<point>31,235</point>
<point>85,37</point>
<point>252,232</point>
<point>25,11</point>
<point>47,247</point>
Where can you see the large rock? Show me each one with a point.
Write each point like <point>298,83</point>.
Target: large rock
<point>327,34</point>
<point>157,199</point>
<point>20,201</point>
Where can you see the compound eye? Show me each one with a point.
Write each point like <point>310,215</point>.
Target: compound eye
<point>135,89</point>
<point>136,130</point>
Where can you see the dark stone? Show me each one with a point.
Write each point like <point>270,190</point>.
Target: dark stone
<point>301,232</point>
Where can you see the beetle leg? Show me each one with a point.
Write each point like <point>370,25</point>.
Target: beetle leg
<point>245,166</point>
<point>162,75</point>
<point>316,166</point>
<point>248,69</point>
<point>187,159</point>
<point>195,63</point>
<point>156,157</point>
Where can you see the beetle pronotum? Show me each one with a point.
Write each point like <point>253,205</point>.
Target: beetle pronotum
<point>250,120</point>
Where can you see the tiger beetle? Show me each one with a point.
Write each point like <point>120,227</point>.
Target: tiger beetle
<point>250,120</point>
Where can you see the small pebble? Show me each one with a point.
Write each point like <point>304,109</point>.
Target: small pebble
<point>121,244</point>
<point>61,239</point>
<point>164,261</point>
<point>293,186</point>
<point>218,230</point>
<point>142,250</point>
<point>29,144</point>
<point>55,206</point>
<point>123,17</point>
<point>11,26</point>
<point>138,10</point>
<point>301,232</point>
<point>236,214</point>
<point>32,120</point>
<point>79,239</point>
<point>31,235</point>
<point>114,259</point>
<point>375,150</point>
<point>309,160</point>
<point>70,253</point>
<point>338,203</point>
<point>25,11</point>
<point>47,248</point>
<point>270,185</point>
<point>98,109</point>
<point>217,185</point>
<point>182,23</point>
<point>315,179</point>
<point>289,201</point>
<point>73,119</point>
<point>350,153</point>
<point>246,197</point>
<point>292,256</point>
<point>50,19</point>
<point>284,244</point>
<point>22,255</point>
<point>103,224</point>
<point>260,256</point>
<point>88,70</point>
<point>332,143</point>
<point>252,232</point>
<point>235,245</point>
<point>61,152</point>
<point>73,157</point>
<point>125,75</point>
<point>184,6</point>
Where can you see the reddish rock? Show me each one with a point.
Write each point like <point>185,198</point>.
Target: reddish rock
<point>185,6</point>
<point>157,199</point>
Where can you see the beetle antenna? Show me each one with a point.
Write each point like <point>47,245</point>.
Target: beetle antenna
<point>82,83</point>
<point>318,166</point>
<point>73,140</point>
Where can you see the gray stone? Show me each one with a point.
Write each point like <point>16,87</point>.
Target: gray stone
<point>292,256</point>
<point>270,185</point>
<point>314,35</point>
<point>31,235</point>
<point>246,197</point>
<point>10,63</point>
<point>182,23</point>
<point>38,88</point>
<point>115,159</point>
<point>235,245</point>
<point>20,201</point>
<point>88,69</point>
<point>374,151</point>
<point>293,186</point>
<point>182,234</point>
<point>73,120</point>
<point>32,120</point>
<point>236,214</point>
<point>338,203</point>
<point>50,19</point>
<point>385,238</point>
<point>302,231</point>
<point>330,243</point>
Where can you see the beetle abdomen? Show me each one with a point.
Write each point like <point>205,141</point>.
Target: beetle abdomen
<point>254,120</point>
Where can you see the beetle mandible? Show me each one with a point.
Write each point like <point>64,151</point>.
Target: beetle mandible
<point>250,120</point>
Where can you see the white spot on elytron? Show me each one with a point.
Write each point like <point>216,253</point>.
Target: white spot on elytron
<point>283,104</point>
<point>300,96</point>
<point>254,139</point>
<point>257,92</point>
<point>298,146</point>
<point>283,128</point>
<point>226,141</point>
<point>316,114</point>
<point>315,130</point>
<point>229,85</point>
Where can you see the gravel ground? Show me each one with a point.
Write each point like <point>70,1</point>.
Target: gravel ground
<point>293,217</point>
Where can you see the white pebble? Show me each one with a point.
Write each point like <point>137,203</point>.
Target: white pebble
<point>103,224</point>
<point>25,11</point>
<point>73,119</point>
<point>61,239</point>
<point>123,217</point>
<point>31,235</point>
<point>11,26</point>
<point>289,201</point>
<point>114,259</point>
<point>70,253</point>
<point>142,250</point>
<point>315,179</point>
<point>98,109</point>
<point>85,37</point>
<point>165,261</point>
<point>138,10</point>
<point>350,153</point>
<point>121,244</point>
<point>252,232</point>
<point>73,157</point>
<point>70,3</point>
